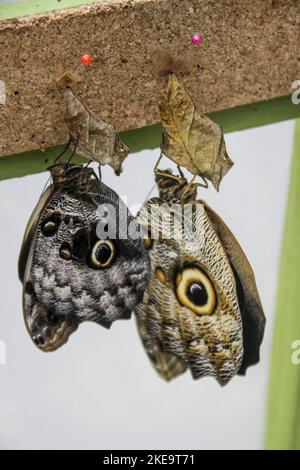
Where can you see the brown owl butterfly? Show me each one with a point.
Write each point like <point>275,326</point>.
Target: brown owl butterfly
<point>69,274</point>
<point>201,310</point>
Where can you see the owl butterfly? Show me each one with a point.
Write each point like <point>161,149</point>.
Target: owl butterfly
<point>69,275</point>
<point>201,310</point>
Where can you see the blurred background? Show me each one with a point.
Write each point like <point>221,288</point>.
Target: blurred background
<point>99,391</point>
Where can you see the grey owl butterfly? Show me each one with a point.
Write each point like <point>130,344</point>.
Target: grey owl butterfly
<point>69,275</point>
<point>201,310</point>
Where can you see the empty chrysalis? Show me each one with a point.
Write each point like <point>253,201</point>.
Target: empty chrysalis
<point>93,137</point>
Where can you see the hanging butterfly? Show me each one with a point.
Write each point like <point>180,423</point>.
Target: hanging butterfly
<point>201,310</point>
<point>69,275</point>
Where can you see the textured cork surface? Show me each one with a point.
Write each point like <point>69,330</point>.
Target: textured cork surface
<point>250,53</point>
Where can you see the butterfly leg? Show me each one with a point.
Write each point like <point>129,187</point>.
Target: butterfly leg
<point>74,150</point>
<point>64,151</point>
<point>158,161</point>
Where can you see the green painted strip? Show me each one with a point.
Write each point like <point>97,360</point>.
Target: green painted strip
<point>234,119</point>
<point>257,114</point>
<point>283,416</point>
<point>36,161</point>
<point>17,8</point>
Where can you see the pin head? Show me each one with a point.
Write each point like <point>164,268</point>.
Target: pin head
<point>197,39</point>
<point>86,59</point>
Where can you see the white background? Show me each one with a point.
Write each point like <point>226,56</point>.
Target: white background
<point>99,391</point>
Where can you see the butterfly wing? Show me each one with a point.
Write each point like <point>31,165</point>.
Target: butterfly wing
<point>191,306</point>
<point>71,275</point>
<point>30,231</point>
<point>253,317</point>
<point>167,365</point>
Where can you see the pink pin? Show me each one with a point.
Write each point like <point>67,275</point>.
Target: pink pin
<point>197,39</point>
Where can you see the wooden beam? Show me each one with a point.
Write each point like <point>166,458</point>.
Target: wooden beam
<point>250,53</point>
<point>235,119</point>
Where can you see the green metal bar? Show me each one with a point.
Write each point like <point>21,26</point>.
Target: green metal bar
<point>17,8</point>
<point>37,161</point>
<point>234,119</point>
<point>283,412</point>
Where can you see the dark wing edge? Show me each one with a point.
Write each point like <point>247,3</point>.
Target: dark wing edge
<point>30,231</point>
<point>253,317</point>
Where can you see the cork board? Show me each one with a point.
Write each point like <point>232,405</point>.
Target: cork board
<point>250,53</point>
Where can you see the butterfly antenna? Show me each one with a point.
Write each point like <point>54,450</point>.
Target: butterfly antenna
<point>88,164</point>
<point>149,194</point>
